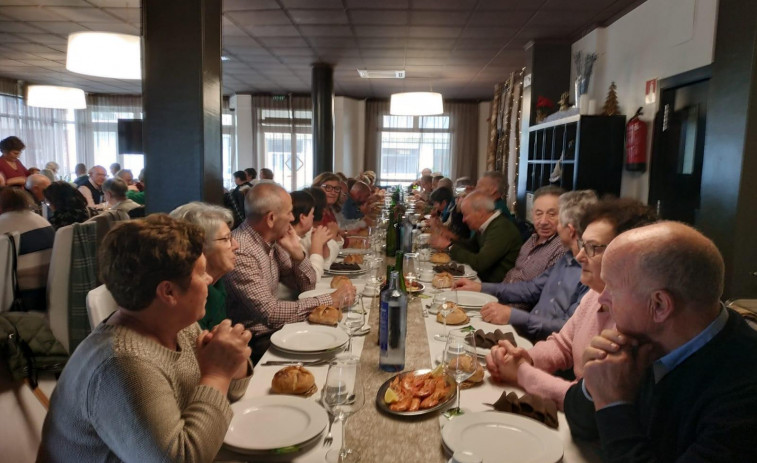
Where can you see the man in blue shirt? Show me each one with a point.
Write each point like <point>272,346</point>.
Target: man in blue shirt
<point>676,381</point>
<point>352,207</point>
<point>554,295</point>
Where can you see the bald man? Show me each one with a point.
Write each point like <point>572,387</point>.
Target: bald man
<point>269,253</point>
<point>676,380</point>
<point>492,250</point>
<point>92,190</point>
<point>36,184</point>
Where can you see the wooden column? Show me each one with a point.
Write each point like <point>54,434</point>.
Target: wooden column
<point>181,93</point>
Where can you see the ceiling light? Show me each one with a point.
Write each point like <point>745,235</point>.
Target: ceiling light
<point>416,104</point>
<point>368,74</point>
<point>50,96</point>
<point>105,54</point>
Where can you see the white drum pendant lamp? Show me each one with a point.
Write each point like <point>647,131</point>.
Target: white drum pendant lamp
<point>51,96</point>
<point>416,104</point>
<point>105,54</point>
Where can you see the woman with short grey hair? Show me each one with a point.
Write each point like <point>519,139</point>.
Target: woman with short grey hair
<point>219,249</point>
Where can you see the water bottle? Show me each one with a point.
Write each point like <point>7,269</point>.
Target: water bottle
<point>393,326</point>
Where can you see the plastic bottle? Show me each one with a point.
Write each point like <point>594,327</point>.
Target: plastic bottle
<point>393,326</point>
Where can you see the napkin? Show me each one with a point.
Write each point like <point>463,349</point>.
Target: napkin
<point>489,340</point>
<point>530,405</point>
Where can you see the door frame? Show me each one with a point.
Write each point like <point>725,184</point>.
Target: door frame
<point>683,79</point>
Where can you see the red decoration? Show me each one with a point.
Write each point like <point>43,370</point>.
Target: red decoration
<point>543,102</point>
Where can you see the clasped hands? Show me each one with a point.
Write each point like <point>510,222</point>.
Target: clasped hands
<point>614,365</point>
<point>222,353</point>
<point>503,361</point>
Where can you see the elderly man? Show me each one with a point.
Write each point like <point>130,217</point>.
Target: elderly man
<point>493,185</point>
<point>352,209</point>
<point>128,177</point>
<point>676,381</point>
<point>114,168</point>
<point>115,195</point>
<point>270,252</point>
<point>93,188</point>
<point>494,246</point>
<point>544,247</point>
<point>554,294</point>
<point>81,175</point>
<point>36,185</point>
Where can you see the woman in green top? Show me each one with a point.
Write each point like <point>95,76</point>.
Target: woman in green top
<point>219,250</point>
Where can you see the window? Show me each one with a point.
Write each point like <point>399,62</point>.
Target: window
<point>412,143</point>
<point>284,133</point>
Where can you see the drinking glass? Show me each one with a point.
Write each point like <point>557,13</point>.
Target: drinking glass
<point>342,396</point>
<point>353,319</point>
<point>460,362</point>
<point>410,269</point>
<point>444,302</point>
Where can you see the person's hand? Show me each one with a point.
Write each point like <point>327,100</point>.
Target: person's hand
<point>291,244</point>
<point>495,313</point>
<point>517,352</point>
<point>609,341</point>
<point>439,241</point>
<point>464,284</point>
<point>503,366</point>
<point>617,377</point>
<point>222,354</point>
<point>344,296</point>
<point>318,239</point>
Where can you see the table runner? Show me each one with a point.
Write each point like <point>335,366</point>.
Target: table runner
<point>382,438</point>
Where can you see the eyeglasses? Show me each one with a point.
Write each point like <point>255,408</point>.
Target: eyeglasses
<point>226,238</point>
<point>330,188</point>
<point>591,249</point>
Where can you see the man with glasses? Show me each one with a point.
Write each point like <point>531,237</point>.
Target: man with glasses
<point>555,293</point>
<point>92,190</point>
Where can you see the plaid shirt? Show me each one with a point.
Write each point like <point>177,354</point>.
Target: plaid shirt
<point>534,259</point>
<point>253,284</point>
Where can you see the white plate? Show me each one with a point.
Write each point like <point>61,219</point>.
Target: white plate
<point>303,337</point>
<point>315,292</point>
<point>472,299</point>
<point>362,270</point>
<point>274,422</point>
<point>348,251</point>
<point>503,437</point>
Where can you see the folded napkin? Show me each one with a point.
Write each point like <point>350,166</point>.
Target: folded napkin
<point>489,340</point>
<point>532,406</point>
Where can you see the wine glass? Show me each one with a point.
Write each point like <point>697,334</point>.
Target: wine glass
<point>353,319</point>
<point>342,396</point>
<point>444,302</point>
<point>410,268</point>
<point>460,362</point>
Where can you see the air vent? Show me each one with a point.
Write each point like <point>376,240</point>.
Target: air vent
<point>369,74</point>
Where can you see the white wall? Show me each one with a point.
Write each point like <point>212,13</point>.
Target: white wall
<point>349,135</point>
<point>659,39</point>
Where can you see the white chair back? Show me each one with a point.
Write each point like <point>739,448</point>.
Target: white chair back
<point>100,304</point>
<point>58,280</point>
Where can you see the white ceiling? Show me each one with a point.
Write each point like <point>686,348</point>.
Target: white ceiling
<point>460,48</point>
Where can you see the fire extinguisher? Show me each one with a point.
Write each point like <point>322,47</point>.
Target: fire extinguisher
<point>636,144</point>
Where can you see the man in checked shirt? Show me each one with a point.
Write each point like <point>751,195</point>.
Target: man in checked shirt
<point>270,252</point>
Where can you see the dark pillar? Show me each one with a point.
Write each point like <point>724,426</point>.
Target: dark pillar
<point>548,67</point>
<point>181,92</point>
<point>323,118</point>
<point>729,191</point>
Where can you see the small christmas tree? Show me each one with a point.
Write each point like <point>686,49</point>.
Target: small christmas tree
<point>611,107</point>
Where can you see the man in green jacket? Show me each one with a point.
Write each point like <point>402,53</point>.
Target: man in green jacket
<point>494,246</point>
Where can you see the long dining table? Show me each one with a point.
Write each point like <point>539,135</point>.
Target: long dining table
<point>379,437</point>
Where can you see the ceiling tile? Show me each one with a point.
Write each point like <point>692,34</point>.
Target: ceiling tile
<point>273,31</point>
<point>55,27</point>
<point>132,15</point>
<point>384,42</point>
<point>325,4</point>
<point>319,16</point>
<point>120,28</point>
<point>564,19</point>
<point>374,17</point>
<point>83,14</point>
<point>287,42</point>
<point>443,5</point>
<point>292,51</point>
<point>425,53</point>
<point>510,4</point>
<point>258,18</point>
<point>117,3</point>
<point>574,5</point>
<point>383,31</point>
<point>488,32</point>
<point>438,18</point>
<point>326,31</point>
<point>478,44</point>
<point>30,13</point>
<point>333,42</point>
<point>239,41</point>
<point>47,39</point>
<point>373,4</point>
<point>433,32</point>
<point>13,26</point>
<point>433,44</point>
<point>237,5</point>
<point>511,18</point>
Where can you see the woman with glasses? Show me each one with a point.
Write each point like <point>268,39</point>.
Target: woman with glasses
<point>533,369</point>
<point>219,250</point>
<point>331,184</point>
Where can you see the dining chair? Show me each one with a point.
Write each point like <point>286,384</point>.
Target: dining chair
<point>100,304</point>
<point>58,279</point>
<point>6,269</point>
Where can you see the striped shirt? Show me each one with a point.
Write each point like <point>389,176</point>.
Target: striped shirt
<point>253,284</point>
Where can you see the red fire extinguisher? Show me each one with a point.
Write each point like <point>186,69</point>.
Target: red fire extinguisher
<point>636,143</point>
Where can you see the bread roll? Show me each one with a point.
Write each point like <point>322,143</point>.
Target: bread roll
<point>325,315</point>
<point>340,280</point>
<point>443,280</point>
<point>353,259</point>
<point>440,258</point>
<point>476,379</point>
<point>294,380</point>
<point>456,317</point>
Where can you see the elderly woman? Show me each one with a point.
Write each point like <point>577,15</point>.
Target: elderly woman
<point>148,384</point>
<point>219,250</point>
<point>67,204</point>
<point>532,369</point>
<point>10,167</point>
<point>331,184</point>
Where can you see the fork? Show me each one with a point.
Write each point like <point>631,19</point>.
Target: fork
<point>329,437</point>
<point>310,363</point>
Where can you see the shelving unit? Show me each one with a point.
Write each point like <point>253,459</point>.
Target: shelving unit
<point>591,148</point>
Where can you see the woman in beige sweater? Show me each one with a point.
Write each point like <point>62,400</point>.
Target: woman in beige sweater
<point>148,385</point>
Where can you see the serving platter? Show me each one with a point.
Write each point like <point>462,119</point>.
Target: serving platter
<point>384,407</point>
